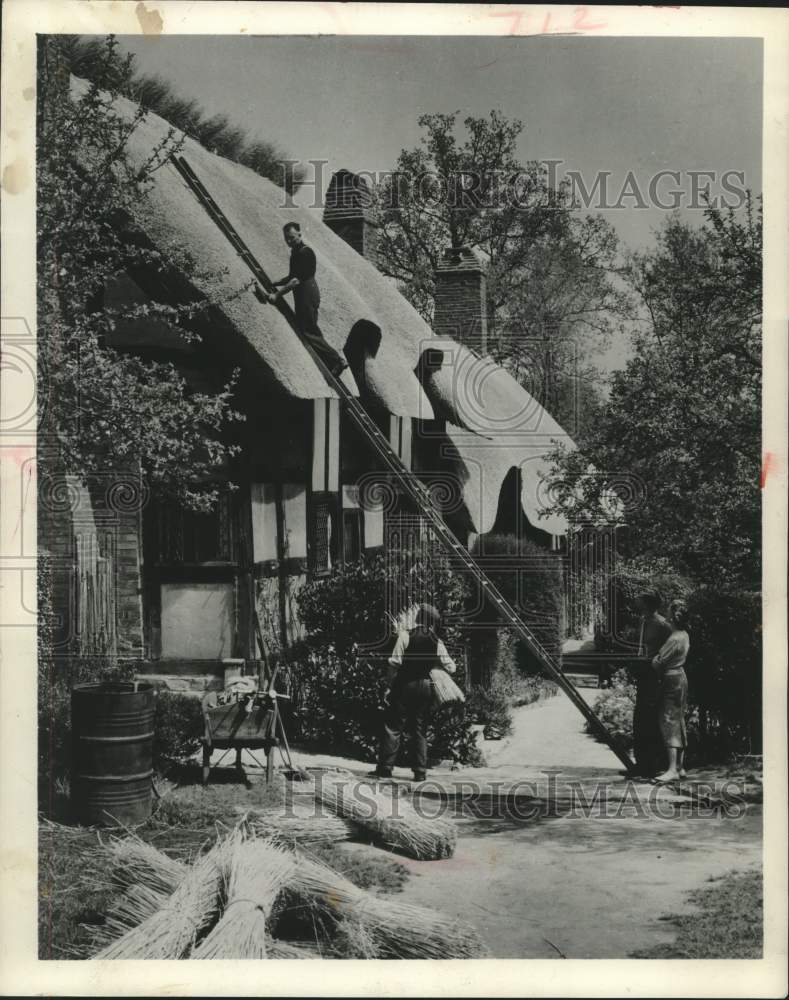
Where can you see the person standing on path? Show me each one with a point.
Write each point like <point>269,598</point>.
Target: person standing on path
<point>300,279</point>
<point>647,739</point>
<point>669,665</point>
<point>411,701</point>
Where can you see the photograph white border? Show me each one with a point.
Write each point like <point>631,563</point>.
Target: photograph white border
<point>20,970</point>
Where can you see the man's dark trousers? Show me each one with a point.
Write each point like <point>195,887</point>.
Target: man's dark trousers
<point>409,712</point>
<point>306,302</point>
<point>648,746</point>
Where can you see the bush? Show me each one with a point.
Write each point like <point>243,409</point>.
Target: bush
<point>615,707</point>
<point>533,585</point>
<point>340,700</point>
<point>725,671</point>
<point>490,706</point>
<point>178,728</point>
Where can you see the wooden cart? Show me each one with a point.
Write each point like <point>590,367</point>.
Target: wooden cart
<point>232,727</point>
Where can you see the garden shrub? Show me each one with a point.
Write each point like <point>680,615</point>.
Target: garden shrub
<point>615,707</point>
<point>725,670</point>
<point>490,706</point>
<point>534,587</point>
<point>178,728</point>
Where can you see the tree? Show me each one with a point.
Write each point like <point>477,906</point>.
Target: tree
<point>679,438</point>
<point>549,272</point>
<point>104,408</point>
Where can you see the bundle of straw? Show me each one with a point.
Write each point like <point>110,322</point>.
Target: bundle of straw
<point>445,690</point>
<point>391,929</point>
<point>303,825</point>
<point>171,930</point>
<point>388,818</point>
<point>258,872</point>
<point>285,949</point>
<point>136,904</point>
<point>139,863</point>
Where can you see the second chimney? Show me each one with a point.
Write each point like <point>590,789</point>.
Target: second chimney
<point>461,299</point>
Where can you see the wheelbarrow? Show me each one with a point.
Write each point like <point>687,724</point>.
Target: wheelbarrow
<point>247,723</point>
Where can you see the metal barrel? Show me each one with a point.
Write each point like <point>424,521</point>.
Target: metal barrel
<point>112,725</point>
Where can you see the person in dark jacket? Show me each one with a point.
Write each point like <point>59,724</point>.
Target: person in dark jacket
<point>411,702</point>
<point>300,279</point>
<point>648,746</point>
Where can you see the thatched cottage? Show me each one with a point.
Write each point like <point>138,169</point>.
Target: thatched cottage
<point>178,589</point>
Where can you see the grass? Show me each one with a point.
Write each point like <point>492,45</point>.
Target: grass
<point>75,877</point>
<point>728,921</point>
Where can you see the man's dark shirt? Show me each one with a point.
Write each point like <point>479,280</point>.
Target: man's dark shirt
<point>302,263</point>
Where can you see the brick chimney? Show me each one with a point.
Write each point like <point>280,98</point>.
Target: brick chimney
<point>460,300</point>
<point>347,213</point>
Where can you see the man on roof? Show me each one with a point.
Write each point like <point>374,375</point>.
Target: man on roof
<point>300,279</point>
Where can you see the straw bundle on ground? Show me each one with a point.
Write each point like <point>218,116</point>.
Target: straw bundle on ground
<point>445,690</point>
<point>139,863</point>
<point>171,931</point>
<point>136,904</point>
<point>391,929</point>
<point>259,870</point>
<point>387,818</point>
<point>303,825</point>
<point>286,949</point>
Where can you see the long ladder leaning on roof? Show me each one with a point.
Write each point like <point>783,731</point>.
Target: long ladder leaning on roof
<point>407,479</point>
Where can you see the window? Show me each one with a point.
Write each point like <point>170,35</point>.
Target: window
<point>352,535</point>
<point>322,551</point>
<point>187,537</point>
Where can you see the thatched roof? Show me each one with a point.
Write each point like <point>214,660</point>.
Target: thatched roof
<point>495,425</point>
<point>493,422</point>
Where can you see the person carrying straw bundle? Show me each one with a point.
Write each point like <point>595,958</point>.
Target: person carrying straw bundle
<point>411,698</point>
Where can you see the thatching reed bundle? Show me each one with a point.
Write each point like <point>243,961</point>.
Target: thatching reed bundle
<point>303,825</point>
<point>388,818</point>
<point>136,863</point>
<point>259,870</point>
<point>136,904</point>
<point>171,931</point>
<point>445,690</point>
<point>391,929</point>
<point>287,950</point>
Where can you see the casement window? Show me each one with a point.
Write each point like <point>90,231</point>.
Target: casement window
<point>323,517</point>
<point>189,538</point>
<point>352,535</point>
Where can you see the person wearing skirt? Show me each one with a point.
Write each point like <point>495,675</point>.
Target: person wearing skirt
<point>669,664</point>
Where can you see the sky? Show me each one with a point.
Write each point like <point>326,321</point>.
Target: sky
<point>595,104</point>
